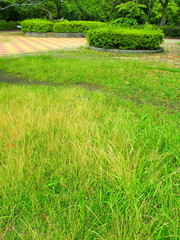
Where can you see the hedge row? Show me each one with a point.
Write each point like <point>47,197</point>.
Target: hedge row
<point>119,38</point>
<point>171,31</point>
<point>100,34</point>
<point>8,25</point>
<point>76,26</point>
<point>39,25</point>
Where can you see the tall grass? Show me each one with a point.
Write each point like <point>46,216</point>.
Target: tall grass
<point>79,165</point>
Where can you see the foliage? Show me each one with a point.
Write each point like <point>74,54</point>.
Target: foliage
<point>51,6</point>
<point>172,12</point>
<point>132,10</point>
<point>37,25</point>
<point>148,26</point>
<point>120,38</point>
<point>4,25</point>
<point>23,9</point>
<point>125,22</point>
<point>171,31</point>
<point>54,6</point>
<point>10,14</point>
<point>31,12</point>
<point>75,26</point>
<point>94,10</point>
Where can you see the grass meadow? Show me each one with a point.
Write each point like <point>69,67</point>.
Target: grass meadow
<point>92,152</point>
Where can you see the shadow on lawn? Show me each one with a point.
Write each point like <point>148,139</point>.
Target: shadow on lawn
<point>16,80</point>
<point>13,79</point>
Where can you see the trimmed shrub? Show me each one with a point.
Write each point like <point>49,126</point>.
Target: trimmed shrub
<point>76,26</point>
<point>37,25</point>
<point>124,38</point>
<point>171,31</point>
<point>4,25</point>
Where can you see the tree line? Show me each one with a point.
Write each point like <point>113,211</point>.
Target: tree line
<point>138,11</point>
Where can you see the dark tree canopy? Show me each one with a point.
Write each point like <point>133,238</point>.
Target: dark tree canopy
<point>153,11</point>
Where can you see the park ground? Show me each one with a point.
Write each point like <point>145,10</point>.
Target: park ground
<point>89,144</point>
<point>14,42</point>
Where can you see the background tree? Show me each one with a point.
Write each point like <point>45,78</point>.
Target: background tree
<point>55,7</point>
<point>9,14</point>
<point>99,10</point>
<point>20,9</point>
<point>132,10</point>
<point>164,5</point>
<point>172,13</point>
<point>153,11</point>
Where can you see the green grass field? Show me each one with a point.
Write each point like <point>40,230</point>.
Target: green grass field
<point>93,158</point>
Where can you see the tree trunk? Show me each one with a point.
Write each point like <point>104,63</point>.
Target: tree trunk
<point>49,15</point>
<point>164,11</point>
<point>164,14</point>
<point>58,9</point>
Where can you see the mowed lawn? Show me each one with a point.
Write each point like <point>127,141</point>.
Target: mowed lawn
<point>92,153</point>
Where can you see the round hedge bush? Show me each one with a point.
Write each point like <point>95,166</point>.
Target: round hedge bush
<point>121,38</point>
<point>37,25</point>
<point>76,26</point>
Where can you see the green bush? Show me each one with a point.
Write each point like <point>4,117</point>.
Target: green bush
<point>171,31</point>
<point>125,22</point>
<point>76,26</point>
<point>8,25</point>
<point>124,38</point>
<point>37,25</point>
